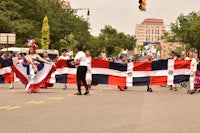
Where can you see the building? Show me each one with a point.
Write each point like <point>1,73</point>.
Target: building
<point>178,47</point>
<point>66,4</point>
<point>149,31</point>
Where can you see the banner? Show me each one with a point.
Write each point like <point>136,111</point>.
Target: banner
<point>161,72</point>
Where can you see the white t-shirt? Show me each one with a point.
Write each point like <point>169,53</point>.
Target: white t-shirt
<point>64,57</point>
<point>82,57</point>
<point>193,66</point>
<point>88,63</point>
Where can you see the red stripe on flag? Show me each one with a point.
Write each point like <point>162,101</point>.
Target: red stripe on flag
<point>142,66</point>
<point>158,80</point>
<point>71,78</point>
<point>9,77</point>
<point>35,87</point>
<point>98,63</point>
<point>61,64</point>
<point>115,80</point>
<point>19,75</point>
<point>180,64</point>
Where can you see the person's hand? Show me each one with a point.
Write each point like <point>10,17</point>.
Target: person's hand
<point>73,63</point>
<point>192,73</point>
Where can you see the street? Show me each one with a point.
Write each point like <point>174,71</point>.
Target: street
<point>104,110</point>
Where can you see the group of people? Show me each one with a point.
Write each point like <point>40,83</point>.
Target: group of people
<point>81,61</point>
<point>174,56</point>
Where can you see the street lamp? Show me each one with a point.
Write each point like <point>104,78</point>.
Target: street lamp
<point>77,9</point>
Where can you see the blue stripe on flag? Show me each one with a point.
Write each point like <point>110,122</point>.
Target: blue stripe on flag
<point>160,65</point>
<point>62,78</point>
<point>141,81</point>
<point>118,66</point>
<point>99,79</point>
<point>1,79</point>
<point>181,78</point>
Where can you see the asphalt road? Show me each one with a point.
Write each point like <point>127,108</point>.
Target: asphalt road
<point>105,110</point>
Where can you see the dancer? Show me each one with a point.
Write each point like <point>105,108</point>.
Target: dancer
<point>80,61</point>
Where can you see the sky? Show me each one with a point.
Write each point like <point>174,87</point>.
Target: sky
<point>124,15</point>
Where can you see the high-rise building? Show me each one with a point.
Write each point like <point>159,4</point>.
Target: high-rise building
<point>149,31</point>
<point>66,4</point>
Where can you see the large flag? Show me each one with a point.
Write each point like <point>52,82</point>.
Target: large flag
<point>161,72</point>
<point>65,72</point>
<point>6,73</point>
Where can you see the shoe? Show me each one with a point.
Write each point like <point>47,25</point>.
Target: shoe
<point>79,93</point>
<point>192,92</point>
<point>150,90</point>
<point>171,88</point>
<point>28,92</point>
<point>175,89</point>
<point>65,88</point>
<point>11,87</point>
<point>87,92</point>
<point>121,89</point>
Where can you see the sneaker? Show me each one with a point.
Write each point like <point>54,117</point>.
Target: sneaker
<point>171,88</point>
<point>11,87</point>
<point>65,87</point>
<point>175,89</point>
<point>150,90</point>
<point>87,92</point>
<point>28,92</point>
<point>79,93</point>
<point>192,92</point>
<point>121,89</point>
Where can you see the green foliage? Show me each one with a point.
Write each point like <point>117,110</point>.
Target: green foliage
<point>45,34</point>
<point>25,18</point>
<point>141,48</point>
<point>110,41</point>
<point>186,29</point>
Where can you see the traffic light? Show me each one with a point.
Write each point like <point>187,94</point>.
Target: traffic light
<point>142,5</point>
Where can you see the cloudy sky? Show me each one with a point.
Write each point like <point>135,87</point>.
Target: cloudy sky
<point>124,14</point>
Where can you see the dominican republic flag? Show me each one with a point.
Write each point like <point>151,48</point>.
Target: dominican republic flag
<point>161,72</point>
<point>23,71</point>
<point>6,73</point>
<point>65,72</point>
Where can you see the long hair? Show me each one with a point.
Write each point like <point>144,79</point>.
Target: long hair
<point>34,51</point>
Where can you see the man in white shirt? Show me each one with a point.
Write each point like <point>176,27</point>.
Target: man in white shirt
<point>80,61</point>
<point>65,55</point>
<point>193,69</point>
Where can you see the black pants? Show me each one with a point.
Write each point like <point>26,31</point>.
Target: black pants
<point>81,76</point>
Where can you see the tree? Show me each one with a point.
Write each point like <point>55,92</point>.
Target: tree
<point>25,19</point>
<point>45,41</point>
<point>186,29</point>
<point>141,48</point>
<point>111,40</point>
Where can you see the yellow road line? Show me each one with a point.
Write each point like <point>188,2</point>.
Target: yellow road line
<point>31,102</point>
<point>59,98</point>
<point>40,102</point>
<point>5,107</point>
<point>51,98</point>
<point>35,102</point>
<point>56,98</point>
<point>14,107</point>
